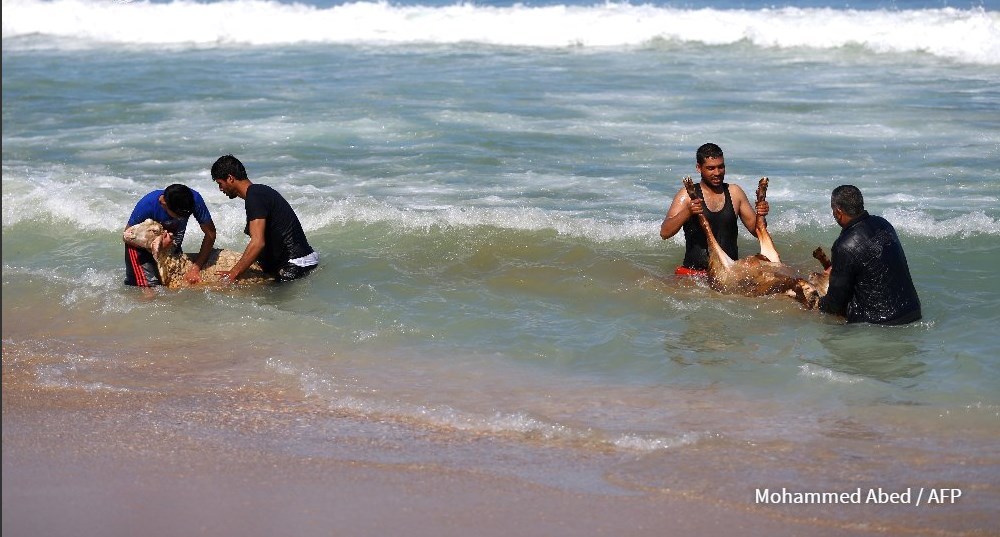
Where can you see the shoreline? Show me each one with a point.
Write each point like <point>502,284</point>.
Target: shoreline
<point>71,468</point>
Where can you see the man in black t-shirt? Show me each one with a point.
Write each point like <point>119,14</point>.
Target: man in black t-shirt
<point>277,240</point>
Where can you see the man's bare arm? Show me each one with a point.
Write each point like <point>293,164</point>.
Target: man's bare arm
<point>680,210</point>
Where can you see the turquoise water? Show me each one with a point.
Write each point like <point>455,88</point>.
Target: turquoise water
<point>485,187</point>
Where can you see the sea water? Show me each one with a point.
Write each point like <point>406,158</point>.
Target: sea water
<point>484,183</point>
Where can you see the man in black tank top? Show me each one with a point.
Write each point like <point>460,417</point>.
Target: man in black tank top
<point>723,203</point>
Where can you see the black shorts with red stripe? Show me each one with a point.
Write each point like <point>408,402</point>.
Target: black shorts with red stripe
<point>140,268</point>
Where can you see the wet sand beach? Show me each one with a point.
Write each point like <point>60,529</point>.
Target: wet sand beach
<point>78,465</point>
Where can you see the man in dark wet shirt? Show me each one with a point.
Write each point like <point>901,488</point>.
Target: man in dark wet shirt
<point>869,277</point>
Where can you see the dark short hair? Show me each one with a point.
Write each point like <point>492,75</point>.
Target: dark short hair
<point>180,199</point>
<point>848,198</point>
<point>708,151</point>
<point>227,165</point>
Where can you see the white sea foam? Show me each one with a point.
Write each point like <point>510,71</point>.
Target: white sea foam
<point>65,375</point>
<point>348,395</point>
<point>819,372</point>
<point>970,35</point>
<point>919,224</point>
<point>54,198</point>
<point>451,217</point>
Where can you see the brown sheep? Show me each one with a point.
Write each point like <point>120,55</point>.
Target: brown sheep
<point>763,273</point>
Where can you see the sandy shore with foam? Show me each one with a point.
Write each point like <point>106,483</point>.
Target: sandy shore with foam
<point>77,464</point>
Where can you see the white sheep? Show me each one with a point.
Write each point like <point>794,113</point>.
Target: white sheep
<point>173,264</point>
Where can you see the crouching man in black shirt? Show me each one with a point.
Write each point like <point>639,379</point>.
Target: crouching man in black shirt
<point>869,278</point>
<point>277,240</point>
